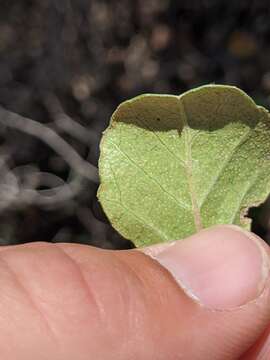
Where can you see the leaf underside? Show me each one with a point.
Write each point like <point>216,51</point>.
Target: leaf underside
<point>172,165</point>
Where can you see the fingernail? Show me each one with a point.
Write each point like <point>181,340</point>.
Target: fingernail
<point>222,267</point>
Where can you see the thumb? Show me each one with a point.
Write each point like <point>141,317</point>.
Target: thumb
<point>206,297</point>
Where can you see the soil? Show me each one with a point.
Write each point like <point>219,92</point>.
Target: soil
<point>87,56</point>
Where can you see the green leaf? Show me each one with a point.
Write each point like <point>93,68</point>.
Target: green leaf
<point>172,165</point>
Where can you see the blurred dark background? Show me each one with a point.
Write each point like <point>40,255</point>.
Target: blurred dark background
<point>67,64</point>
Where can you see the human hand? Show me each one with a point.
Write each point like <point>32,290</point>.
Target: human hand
<point>203,298</point>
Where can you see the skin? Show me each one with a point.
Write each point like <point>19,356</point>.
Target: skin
<point>69,301</point>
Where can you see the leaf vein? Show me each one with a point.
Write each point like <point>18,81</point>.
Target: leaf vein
<point>182,205</point>
<point>250,185</point>
<point>189,168</point>
<point>157,230</point>
<point>226,162</point>
<point>153,132</point>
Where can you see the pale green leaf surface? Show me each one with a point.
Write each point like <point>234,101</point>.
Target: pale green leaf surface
<point>172,165</point>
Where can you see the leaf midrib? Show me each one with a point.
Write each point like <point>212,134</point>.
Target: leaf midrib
<point>196,207</point>
<point>189,168</point>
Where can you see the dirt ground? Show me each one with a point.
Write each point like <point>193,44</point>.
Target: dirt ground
<point>78,59</point>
